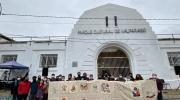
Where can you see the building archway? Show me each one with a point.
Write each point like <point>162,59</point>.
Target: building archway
<point>114,61</point>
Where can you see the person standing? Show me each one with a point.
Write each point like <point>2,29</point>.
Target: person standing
<point>33,91</point>
<point>63,78</point>
<point>106,76</point>
<point>60,77</point>
<point>53,77</point>
<point>111,78</point>
<point>138,77</point>
<point>70,78</point>
<point>91,77</point>
<point>79,77</point>
<point>130,77</point>
<point>159,84</point>
<point>39,94</point>
<point>45,89</point>
<point>39,79</point>
<point>84,77</point>
<point>14,89</point>
<point>57,78</point>
<point>23,89</point>
<point>120,78</point>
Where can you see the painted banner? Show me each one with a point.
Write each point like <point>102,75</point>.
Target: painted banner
<point>102,90</point>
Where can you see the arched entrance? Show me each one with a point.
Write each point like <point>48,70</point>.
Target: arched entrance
<point>114,61</point>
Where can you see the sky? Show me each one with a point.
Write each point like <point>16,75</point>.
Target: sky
<point>33,26</point>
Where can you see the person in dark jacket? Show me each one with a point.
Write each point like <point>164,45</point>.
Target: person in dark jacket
<point>91,77</point>
<point>159,83</point>
<point>130,77</point>
<point>53,77</point>
<point>70,78</point>
<point>34,87</point>
<point>84,77</point>
<point>106,76</point>
<point>138,77</point>
<point>57,78</point>
<point>14,89</point>
<point>79,77</point>
<point>111,78</point>
<point>60,77</point>
<point>120,78</point>
<point>39,79</point>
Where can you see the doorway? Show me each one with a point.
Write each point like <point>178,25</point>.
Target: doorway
<point>114,61</point>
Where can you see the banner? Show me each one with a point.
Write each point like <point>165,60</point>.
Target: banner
<point>102,90</point>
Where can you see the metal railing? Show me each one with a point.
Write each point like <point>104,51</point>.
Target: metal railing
<point>66,38</point>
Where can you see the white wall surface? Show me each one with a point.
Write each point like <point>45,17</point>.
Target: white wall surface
<point>138,48</point>
<point>29,55</point>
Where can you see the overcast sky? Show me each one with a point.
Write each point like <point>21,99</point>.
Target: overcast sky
<point>51,26</point>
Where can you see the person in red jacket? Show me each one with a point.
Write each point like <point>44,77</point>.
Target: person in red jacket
<point>23,89</point>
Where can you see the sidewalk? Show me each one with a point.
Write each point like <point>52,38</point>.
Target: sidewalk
<point>171,94</point>
<point>5,95</point>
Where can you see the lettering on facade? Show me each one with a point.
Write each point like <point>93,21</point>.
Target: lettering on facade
<point>110,31</point>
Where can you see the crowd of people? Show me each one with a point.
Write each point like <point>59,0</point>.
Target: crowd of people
<point>37,89</point>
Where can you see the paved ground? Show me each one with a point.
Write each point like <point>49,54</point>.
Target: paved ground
<point>171,94</point>
<point>5,95</point>
<point>167,94</point>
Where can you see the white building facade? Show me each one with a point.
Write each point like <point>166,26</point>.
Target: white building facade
<point>108,38</point>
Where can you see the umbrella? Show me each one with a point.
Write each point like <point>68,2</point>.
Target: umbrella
<point>12,65</point>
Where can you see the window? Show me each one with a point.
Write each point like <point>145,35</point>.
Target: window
<point>48,60</point>
<point>174,58</point>
<point>6,58</point>
<point>115,21</point>
<point>106,19</point>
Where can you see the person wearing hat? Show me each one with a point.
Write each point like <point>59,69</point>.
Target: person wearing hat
<point>34,87</point>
